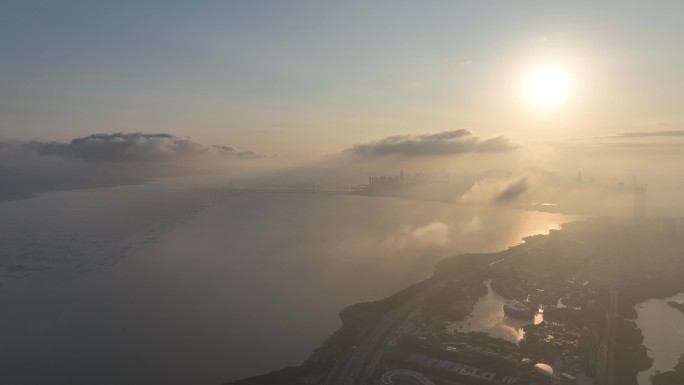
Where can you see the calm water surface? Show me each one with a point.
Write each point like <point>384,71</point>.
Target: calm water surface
<point>488,316</point>
<point>149,284</point>
<point>663,330</point>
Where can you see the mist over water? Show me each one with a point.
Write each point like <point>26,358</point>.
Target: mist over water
<point>663,330</point>
<point>410,133</point>
<point>150,284</point>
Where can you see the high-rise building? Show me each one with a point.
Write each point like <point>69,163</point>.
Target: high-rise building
<point>670,228</point>
<point>639,204</point>
<point>554,242</point>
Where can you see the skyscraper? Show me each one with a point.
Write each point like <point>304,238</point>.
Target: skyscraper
<point>639,204</point>
<point>670,228</point>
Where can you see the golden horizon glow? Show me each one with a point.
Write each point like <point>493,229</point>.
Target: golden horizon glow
<point>548,86</point>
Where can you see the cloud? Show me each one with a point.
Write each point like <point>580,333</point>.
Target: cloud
<point>496,191</point>
<point>649,134</point>
<point>452,142</point>
<point>512,191</point>
<point>133,147</point>
<point>434,234</point>
<point>101,160</point>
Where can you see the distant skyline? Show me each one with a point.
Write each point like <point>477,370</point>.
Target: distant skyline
<point>310,77</point>
<point>205,191</point>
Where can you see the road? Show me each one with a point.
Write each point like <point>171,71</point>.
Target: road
<point>605,373</point>
<point>406,377</point>
<point>353,366</point>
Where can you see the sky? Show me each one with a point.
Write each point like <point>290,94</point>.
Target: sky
<point>307,77</point>
<point>327,96</point>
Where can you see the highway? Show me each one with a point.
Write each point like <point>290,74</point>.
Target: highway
<point>409,377</point>
<point>354,364</point>
<point>606,357</point>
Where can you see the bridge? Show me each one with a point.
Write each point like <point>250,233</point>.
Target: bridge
<point>311,190</point>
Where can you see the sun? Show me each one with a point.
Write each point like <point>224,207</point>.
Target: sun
<point>548,86</point>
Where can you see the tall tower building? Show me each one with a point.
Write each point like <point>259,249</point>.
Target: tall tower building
<point>670,228</point>
<point>554,242</point>
<point>639,204</point>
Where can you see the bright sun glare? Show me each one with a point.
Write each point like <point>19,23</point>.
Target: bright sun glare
<point>548,86</point>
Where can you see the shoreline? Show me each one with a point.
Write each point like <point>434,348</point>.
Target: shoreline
<point>636,359</point>
<point>37,194</point>
<point>323,362</point>
<point>668,373</point>
<point>630,357</point>
<point>356,316</point>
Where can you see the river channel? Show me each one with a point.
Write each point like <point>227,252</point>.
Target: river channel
<point>488,316</point>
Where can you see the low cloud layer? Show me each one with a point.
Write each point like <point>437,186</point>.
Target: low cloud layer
<point>496,191</point>
<point>650,134</point>
<point>434,234</point>
<point>102,160</point>
<point>452,142</point>
<point>133,147</point>
<point>511,191</point>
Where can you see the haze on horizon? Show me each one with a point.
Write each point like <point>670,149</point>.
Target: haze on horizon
<point>491,121</point>
<point>354,84</point>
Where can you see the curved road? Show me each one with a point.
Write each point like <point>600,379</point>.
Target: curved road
<point>352,368</point>
<point>406,377</point>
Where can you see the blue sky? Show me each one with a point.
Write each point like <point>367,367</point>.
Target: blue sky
<point>306,76</point>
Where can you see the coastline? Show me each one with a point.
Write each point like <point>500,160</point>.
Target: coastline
<point>356,317</point>
<point>20,196</point>
<point>359,319</point>
<point>660,338</point>
<point>630,357</point>
<point>634,356</point>
<point>677,305</point>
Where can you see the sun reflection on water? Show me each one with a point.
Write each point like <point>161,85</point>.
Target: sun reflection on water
<point>488,316</point>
